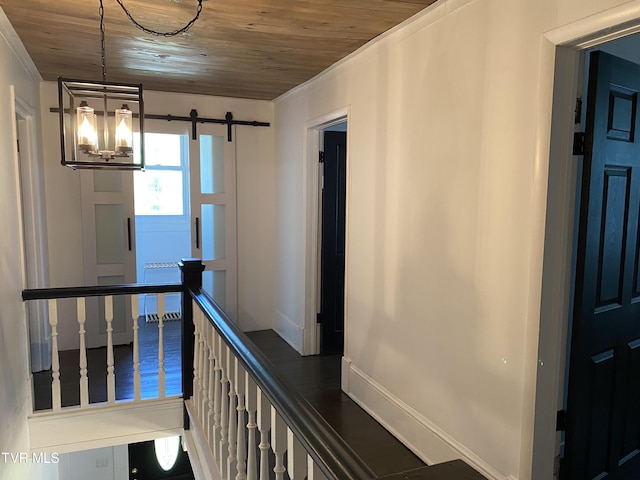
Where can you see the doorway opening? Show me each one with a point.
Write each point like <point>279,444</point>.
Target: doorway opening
<point>333,164</point>
<point>563,60</point>
<point>601,434</point>
<point>34,231</point>
<point>162,225</point>
<point>185,207</point>
<point>326,335</point>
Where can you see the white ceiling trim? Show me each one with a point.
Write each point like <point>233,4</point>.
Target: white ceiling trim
<point>9,35</point>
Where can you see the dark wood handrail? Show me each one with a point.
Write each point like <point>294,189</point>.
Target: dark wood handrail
<point>99,290</point>
<point>331,453</point>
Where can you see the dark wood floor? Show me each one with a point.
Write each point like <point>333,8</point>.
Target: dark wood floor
<point>317,378</point>
<point>123,359</point>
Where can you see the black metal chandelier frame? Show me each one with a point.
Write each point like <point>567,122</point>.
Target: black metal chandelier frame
<point>109,151</point>
<point>76,90</point>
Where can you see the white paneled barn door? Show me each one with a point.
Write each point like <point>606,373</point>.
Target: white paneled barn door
<point>213,212</point>
<point>108,248</point>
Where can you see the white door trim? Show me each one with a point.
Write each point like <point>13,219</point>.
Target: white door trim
<point>554,212</point>
<point>311,195</point>
<point>33,226</point>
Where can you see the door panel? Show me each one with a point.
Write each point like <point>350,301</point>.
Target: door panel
<point>212,163</point>
<point>163,222</point>
<point>213,231</point>
<point>108,244</point>
<point>215,282</point>
<point>332,266</point>
<point>603,416</point>
<point>110,226</point>
<point>213,211</point>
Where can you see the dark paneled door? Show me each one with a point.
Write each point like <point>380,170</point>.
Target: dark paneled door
<point>334,194</point>
<point>603,405</point>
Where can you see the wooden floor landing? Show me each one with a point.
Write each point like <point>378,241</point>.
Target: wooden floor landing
<point>317,378</point>
<point>123,360</point>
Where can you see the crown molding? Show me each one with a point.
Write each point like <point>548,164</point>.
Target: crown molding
<point>10,37</point>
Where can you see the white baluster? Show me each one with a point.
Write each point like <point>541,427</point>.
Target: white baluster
<point>251,401</point>
<point>204,404</point>
<point>209,423</point>
<point>314,471</point>
<point>55,360</point>
<point>161,374</point>
<point>217,396</point>
<point>84,380</point>
<point>296,457</point>
<point>136,348</point>
<point>278,442</point>
<point>224,410</point>
<point>111,378</point>
<point>233,428</point>
<point>196,353</point>
<point>264,425</point>
<point>241,445</point>
<point>241,448</point>
<point>203,361</point>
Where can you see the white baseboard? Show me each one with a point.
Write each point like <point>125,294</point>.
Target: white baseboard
<point>289,330</point>
<point>105,425</point>
<point>15,434</point>
<point>415,431</point>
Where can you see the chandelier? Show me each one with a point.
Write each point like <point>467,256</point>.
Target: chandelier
<point>98,118</point>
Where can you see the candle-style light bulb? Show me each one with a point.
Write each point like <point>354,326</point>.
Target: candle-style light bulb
<point>86,128</point>
<point>124,130</point>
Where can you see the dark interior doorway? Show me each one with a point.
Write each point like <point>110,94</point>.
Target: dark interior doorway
<point>145,464</point>
<point>602,428</point>
<point>332,237</point>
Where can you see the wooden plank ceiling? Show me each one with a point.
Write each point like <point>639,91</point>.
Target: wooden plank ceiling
<point>238,48</point>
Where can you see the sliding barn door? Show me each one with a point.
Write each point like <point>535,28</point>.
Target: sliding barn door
<point>213,212</point>
<point>108,249</point>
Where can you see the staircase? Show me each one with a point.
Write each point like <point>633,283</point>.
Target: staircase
<point>238,417</point>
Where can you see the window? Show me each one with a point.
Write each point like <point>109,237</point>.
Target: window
<point>167,450</point>
<point>161,189</point>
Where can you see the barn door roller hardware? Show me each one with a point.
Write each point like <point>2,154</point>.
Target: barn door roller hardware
<point>194,119</point>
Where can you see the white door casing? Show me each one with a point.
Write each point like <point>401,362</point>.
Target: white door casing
<point>34,231</point>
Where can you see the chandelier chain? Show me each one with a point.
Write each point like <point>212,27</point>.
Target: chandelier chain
<point>161,34</point>
<point>103,49</point>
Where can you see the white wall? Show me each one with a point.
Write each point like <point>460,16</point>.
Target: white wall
<point>255,205</point>
<point>107,463</point>
<point>445,227</point>
<point>17,70</point>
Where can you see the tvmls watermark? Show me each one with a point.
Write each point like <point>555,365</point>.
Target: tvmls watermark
<point>33,457</point>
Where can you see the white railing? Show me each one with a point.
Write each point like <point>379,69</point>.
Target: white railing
<point>248,423</point>
<point>247,414</point>
<point>131,293</point>
<point>244,416</point>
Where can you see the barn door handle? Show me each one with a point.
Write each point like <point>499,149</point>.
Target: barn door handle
<point>197,232</point>
<point>129,232</point>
